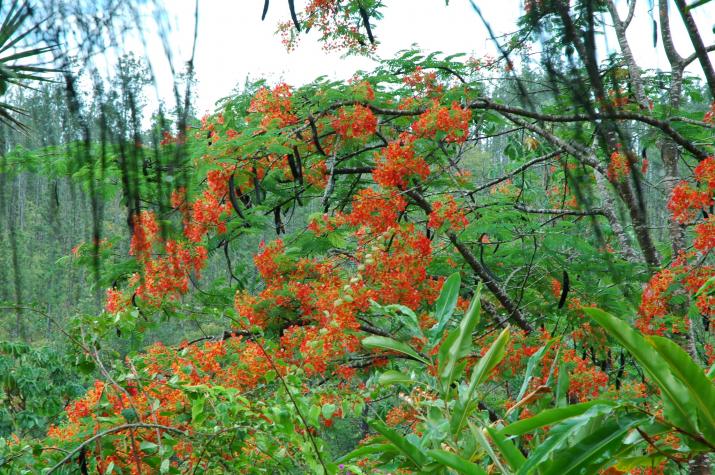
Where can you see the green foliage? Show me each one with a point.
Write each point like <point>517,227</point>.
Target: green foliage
<point>36,383</point>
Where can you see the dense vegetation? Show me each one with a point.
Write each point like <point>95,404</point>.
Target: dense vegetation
<point>448,264</point>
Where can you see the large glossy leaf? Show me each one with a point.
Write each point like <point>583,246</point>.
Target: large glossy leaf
<point>480,373</point>
<point>394,377</point>
<point>385,343</point>
<point>458,343</point>
<point>481,437</point>
<point>456,462</point>
<point>411,451</point>
<point>369,450</point>
<point>508,450</point>
<point>702,390</point>
<point>560,435</point>
<point>679,408</point>
<point>593,451</point>
<point>531,366</point>
<point>490,359</point>
<point>445,305</point>
<point>550,417</point>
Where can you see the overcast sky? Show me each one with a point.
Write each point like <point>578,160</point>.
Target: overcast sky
<point>233,43</point>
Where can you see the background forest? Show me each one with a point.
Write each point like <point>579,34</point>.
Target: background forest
<point>447,264</point>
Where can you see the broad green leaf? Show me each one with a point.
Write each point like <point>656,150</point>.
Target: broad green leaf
<point>328,410</point>
<point>679,408</point>
<point>508,450</point>
<point>593,451</point>
<point>456,462</point>
<point>411,451</point>
<point>629,463</point>
<point>385,343</point>
<point>550,417</point>
<point>702,390</point>
<point>368,450</point>
<point>480,373</point>
<point>560,435</point>
<point>489,361</point>
<point>531,365</point>
<point>481,438</point>
<point>445,305</point>
<point>458,343</point>
<point>394,377</point>
<point>197,410</point>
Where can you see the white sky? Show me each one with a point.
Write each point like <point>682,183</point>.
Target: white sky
<point>233,43</point>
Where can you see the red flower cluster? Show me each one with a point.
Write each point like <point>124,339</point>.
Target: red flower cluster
<point>440,121</point>
<point>423,82</point>
<point>686,202</point>
<point>710,114</point>
<point>376,210</point>
<point>356,122</point>
<point>447,211</point>
<point>115,301</point>
<point>274,106</point>
<point>705,235</point>
<point>618,167</point>
<point>397,165</point>
<point>654,302</point>
<point>163,276</point>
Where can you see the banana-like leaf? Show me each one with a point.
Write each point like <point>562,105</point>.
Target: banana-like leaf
<point>394,377</point>
<point>458,343</point>
<point>560,435</point>
<point>445,305</point>
<point>531,366</point>
<point>593,451</point>
<point>679,407</point>
<point>385,343</point>
<point>411,451</point>
<point>492,358</point>
<point>481,437</point>
<point>508,450</point>
<point>550,417</point>
<point>702,390</point>
<point>645,461</point>
<point>364,450</point>
<point>480,373</point>
<point>456,462</point>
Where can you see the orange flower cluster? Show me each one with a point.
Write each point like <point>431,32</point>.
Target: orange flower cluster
<point>356,122</point>
<point>446,211</point>
<point>423,82</point>
<point>586,381</point>
<point>274,106</point>
<point>686,202</point>
<point>397,165</point>
<point>233,363</point>
<point>439,121</point>
<point>163,276</point>
<point>556,288</point>
<point>115,301</point>
<point>654,302</point>
<point>374,209</point>
<point>618,167</point>
<point>710,114</point>
<point>705,235</point>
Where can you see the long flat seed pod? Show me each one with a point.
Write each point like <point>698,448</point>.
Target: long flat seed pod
<point>232,197</point>
<point>291,6</point>
<point>366,21</point>
<point>564,289</point>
